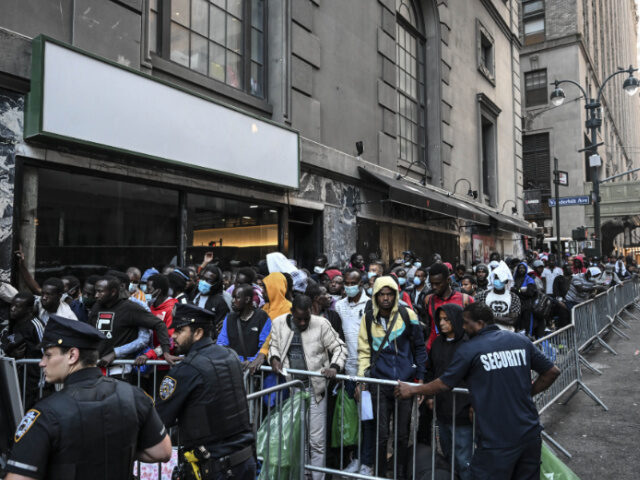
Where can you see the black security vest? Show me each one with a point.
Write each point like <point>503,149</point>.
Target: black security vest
<point>250,332</point>
<point>98,431</point>
<point>218,412</point>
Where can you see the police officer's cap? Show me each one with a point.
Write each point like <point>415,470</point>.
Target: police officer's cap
<point>63,332</point>
<point>187,314</point>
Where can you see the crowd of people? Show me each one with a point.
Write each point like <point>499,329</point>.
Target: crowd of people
<point>399,321</point>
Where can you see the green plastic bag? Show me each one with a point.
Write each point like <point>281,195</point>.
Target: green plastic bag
<point>552,467</point>
<point>278,442</point>
<point>348,431</point>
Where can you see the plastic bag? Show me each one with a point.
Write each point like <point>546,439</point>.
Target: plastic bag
<point>349,429</point>
<point>278,441</point>
<point>552,467</point>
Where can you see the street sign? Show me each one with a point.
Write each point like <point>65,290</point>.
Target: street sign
<point>563,178</point>
<point>571,201</point>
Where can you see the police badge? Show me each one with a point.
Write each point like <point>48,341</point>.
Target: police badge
<point>167,387</point>
<point>26,423</point>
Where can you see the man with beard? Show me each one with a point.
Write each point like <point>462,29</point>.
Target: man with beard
<point>213,415</point>
<point>482,278</point>
<point>497,366</point>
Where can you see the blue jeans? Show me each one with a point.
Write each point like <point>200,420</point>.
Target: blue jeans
<point>464,447</point>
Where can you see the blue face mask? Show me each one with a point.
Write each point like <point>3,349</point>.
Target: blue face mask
<point>133,287</point>
<point>372,274</point>
<point>416,281</point>
<point>143,287</point>
<point>351,290</point>
<point>417,264</point>
<point>402,281</point>
<point>498,285</point>
<point>148,297</point>
<point>203,287</point>
<point>369,291</point>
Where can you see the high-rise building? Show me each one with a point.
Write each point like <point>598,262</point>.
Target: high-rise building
<point>583,41</point>
<point>157,130</point>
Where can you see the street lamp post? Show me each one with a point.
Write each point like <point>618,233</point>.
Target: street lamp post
<point>593,123</point>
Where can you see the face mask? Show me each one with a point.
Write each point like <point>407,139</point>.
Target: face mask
<point>407,264</point>
<point>498,285</point>
<point>318,270</point>
<point>148,297</point>
<point>352,290</point>
<point>416,281</point>
<point>143,287</point>
<point>372,274</point>
<point>402,281</point>
<point>417,264</point>
<point>203,287</point>
<point>133,287</point>
<point>369,291</point>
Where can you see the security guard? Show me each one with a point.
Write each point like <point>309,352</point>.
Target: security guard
<point>497,365</point>
<point>205,394</point>
<point>95,427</point>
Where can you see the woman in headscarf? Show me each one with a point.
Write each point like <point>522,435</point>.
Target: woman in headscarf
<point>275,296</point>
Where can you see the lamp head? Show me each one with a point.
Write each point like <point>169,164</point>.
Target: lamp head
<point>631,85</point>
<point>557,96</point>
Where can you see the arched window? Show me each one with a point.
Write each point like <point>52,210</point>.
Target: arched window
<point>410,77</point>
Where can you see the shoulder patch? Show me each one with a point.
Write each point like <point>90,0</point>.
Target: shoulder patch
<point>26,423</point>
<point>167,387</point>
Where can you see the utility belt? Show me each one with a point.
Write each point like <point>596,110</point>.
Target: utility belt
<point>198,464</point>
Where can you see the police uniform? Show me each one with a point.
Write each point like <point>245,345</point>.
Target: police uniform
<point>205,395</point>
<point>92,428</point>
<point>497,366</point>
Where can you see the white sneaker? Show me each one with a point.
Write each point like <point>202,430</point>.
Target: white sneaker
<point>366,470</point>
<point>353,467</point>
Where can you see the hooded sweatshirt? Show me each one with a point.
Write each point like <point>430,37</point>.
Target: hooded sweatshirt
<point>276,286</point>
<point>442,351</point>
<point>396,360</point>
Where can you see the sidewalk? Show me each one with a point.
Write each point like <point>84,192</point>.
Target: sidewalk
<point>604,445</point>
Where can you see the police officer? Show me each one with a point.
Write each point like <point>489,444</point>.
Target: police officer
<point>95,427</point>
<point>205,394</point>
<point>497,365</point>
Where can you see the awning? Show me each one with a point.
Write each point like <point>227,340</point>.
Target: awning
<point>510,224</point>
<point>413,195</point>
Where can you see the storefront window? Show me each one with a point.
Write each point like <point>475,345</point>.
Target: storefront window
<point>236,232</point>
<point>86,225</point>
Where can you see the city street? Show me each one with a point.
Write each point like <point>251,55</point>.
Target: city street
<point>604,444</point>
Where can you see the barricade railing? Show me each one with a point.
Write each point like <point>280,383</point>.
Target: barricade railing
<point>561,347</point>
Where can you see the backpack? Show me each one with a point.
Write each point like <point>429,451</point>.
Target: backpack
<point>368,318</point>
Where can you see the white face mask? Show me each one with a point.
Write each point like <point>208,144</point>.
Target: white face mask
<point>318,270</point>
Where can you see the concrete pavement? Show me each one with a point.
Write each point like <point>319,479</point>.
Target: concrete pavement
<point>604,445</point>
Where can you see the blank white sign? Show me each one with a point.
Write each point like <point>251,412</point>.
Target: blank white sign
<point>88,100</point>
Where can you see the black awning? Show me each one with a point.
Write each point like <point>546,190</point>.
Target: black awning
<point>414,195</point>
<point>510,224</point>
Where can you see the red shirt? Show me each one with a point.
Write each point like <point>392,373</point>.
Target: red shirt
<point>164,313</point>
<point>433,302</point>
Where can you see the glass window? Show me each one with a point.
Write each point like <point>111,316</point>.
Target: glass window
<point>410,84</point>
<point>86,225</point>
<point>533,21</point>
<point>535,88</point>
<point>230,229</point>
<point>222,39</point>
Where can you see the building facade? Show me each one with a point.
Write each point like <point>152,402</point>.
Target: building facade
<point>584,41</point>
<point>148,132</point>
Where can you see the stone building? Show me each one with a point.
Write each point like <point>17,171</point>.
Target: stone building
<point>147,132</point>
<point>584,41</point>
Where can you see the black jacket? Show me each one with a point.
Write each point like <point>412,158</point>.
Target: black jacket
<point>121,321</point>
<point>440,357</point>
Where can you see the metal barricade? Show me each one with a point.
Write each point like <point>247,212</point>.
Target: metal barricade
<point>582,317</point>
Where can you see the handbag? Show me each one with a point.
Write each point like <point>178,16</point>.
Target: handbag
<point>543,305</point>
